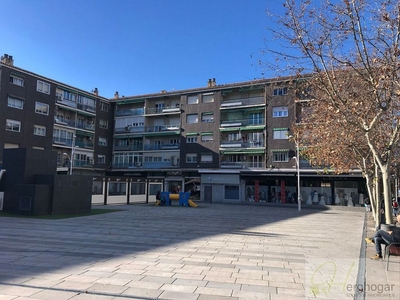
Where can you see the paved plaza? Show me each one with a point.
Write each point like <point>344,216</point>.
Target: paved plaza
<point>213,252</point>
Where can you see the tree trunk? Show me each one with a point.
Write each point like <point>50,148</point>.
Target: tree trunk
<point>386,195</point>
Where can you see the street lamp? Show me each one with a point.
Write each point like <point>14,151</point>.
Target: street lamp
<point>71,159</point>
<point>296,158</point>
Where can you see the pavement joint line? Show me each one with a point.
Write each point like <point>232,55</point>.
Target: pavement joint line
<point>80,291</point>
<point>362,265</point>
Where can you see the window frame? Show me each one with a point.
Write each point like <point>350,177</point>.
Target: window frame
<point>280,112</point>
<point>196,116</point>
<point>207,117</point>
<point>102,141</point>
<point>191,101</point>
<point>280,156</point>
<point>40,112</point>
<point>13,122</point>
<point>22,102</point>
<point>17,80</point>
<point>280,133</point>
<point>206,155</point>
<point>191,158</point>
<point>41,128</point>
<point>42,88</point>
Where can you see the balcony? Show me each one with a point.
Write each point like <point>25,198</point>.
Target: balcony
<point>128,148</point>
<point>146,165</point>
<point>87,108</point>
<point>242,102</point>
<point>62,141</point>
<point>242,165</point>
<point>148,129</point>
<point>66,102</point>
<point>242,144</point>
<point>242,122</point>
<point>86,125</point>
<point>83,163</point>
<point>163,110</point>
<point>65,122</point>
<point>130,112</point>
<point>84,145</point>
<point>161,147</point>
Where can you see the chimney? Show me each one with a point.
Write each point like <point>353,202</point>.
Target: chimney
<point>213,82</point>
<point>209,83</point>
<point>96,91</point>
<point>7,59</point>
<point>116,95</point>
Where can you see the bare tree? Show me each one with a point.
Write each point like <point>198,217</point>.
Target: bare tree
<point>350,50</point>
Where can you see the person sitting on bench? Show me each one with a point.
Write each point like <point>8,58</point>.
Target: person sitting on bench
<point>383,237</point>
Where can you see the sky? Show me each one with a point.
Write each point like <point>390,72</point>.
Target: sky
<point>137,47</point>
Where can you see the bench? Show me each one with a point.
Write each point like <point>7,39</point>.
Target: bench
<point>392,249</point>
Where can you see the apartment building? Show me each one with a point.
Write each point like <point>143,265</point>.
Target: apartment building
<point>41,113</point>
<point>226,143</point>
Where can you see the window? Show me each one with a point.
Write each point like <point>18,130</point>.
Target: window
<point>192,99</point>
<point>41,108</point>
<point>191,139</point>
<point>208,98</point>
<point>103,123</point>
<point>280,112</point>
<point>69,96</point>
<point>191,119</point>
<point>39,130</point>
<point>104,106</point>
<point>15,103</point>
<point>102,141</point>
<point>280,155</point>
<point>17,80</point>
<point>207,137</point>
<point>43,87</point>
<point>281,133</point>
<point>101,159</point>
<point>12,125</point>
<point>206,157</point>
<point>191,158</point>
<point>280,91</point>
<point>207,117</point>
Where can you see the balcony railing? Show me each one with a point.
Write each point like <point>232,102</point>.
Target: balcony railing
<point>62,141</point>
<point>161,147</point>
<point>163,110</point>
<point>85,145</point>
<point>140,129</point>
<point>242,165</point>
<point>242,122</point>
<point>65,122</point>
<point>130,112</point>
<point>146,165</point>
<point>242,144</point>
<point>87,126</point>
<point>128,147</point>
<point>242,102</point>
<point>83,163</point>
